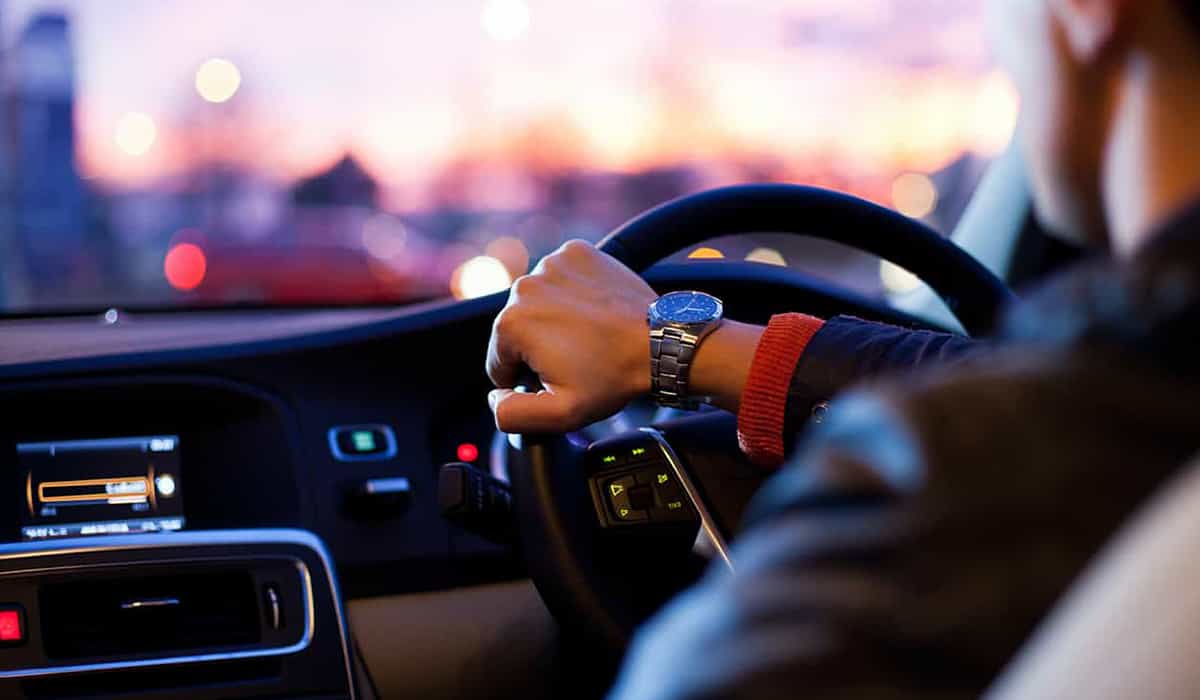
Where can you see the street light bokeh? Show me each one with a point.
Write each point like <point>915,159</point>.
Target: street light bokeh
<point>136,133</point>
<point>218,80</point>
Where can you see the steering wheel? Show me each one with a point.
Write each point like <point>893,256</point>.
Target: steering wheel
<point>607,528</point>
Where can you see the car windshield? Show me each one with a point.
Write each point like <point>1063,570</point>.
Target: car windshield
<point>183,153</point>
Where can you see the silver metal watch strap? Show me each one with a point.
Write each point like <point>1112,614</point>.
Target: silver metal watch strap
<point>671,353</point>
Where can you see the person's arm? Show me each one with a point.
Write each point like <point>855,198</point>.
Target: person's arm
<point>579,322</point>
<point>802,362</point>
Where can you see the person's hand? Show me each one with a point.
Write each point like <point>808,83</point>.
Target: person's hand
<point>579,322</point>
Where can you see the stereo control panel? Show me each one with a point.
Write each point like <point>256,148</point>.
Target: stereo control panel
<point>106,486</point>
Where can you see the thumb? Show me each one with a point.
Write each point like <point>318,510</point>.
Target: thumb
<point>544,412</point>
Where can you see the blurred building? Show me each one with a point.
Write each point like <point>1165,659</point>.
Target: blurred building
<point>346,184</point>
<point>47,193</point>
<point>8,245</point>
<point>317,257</point>
<point>330,207</point>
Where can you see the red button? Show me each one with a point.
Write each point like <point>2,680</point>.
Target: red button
<point>467,452</point>
<point>11,629</point>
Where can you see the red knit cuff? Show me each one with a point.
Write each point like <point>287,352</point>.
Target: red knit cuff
<point>764,400</point>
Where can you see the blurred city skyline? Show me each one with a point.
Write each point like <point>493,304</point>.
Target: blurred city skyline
<point>863,87</point>
<point>183,152</point>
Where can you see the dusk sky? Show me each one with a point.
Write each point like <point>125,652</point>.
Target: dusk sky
<point>871,85</point>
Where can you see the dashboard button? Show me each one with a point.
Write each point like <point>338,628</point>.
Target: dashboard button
<point>607,459</point>
<point>12,624</point>
<point>668,489</point>
<point>617,494</point>
<point>362,443</point>
<point>377,499</point>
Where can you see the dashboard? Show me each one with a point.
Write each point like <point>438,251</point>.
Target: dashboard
<point>258,433</point>
<point>253,444</point>
<point>332,421</point>
<point>157,506</point>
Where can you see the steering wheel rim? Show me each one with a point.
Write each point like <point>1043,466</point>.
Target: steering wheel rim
<point>973,294</point>
<point>556,524</point>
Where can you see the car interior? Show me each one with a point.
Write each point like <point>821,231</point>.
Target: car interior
<point>301,491</point>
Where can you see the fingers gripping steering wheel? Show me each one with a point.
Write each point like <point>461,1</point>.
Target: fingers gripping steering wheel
<point>606,528</point>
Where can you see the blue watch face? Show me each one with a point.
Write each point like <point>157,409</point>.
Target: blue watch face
<point>687,307</point>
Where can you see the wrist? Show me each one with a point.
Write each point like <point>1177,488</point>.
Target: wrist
<point>638,370</point>
<point>722,363</point>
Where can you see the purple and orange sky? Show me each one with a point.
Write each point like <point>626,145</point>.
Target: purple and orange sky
<point>871,86</point>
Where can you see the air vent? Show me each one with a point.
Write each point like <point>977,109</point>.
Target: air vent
<point>181,613</point>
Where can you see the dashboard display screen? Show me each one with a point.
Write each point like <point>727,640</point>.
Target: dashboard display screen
<point>74,488</point>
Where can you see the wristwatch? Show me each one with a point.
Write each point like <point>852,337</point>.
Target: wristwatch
<point>679,322</point>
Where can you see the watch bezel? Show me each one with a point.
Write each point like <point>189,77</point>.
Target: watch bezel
<point>658,320</point>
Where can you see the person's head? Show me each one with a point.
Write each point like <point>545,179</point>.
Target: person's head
<point>1110,110</point>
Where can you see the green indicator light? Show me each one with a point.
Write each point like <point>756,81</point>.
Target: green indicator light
<point>675,505</point>
<point>364,440</point>
<point>639,451</point>
<point>608,459</point>
<point>662,478</point>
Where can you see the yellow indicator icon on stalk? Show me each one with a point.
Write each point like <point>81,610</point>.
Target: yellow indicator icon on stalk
<point>616,489</point>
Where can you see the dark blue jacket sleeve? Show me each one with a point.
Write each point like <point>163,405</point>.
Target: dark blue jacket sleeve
<point>847,350</point>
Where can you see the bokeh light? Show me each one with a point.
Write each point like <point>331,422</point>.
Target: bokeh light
<point>766,256</point>
<point>706,253</point>
<point>512,252</point>
<point>185,266</point>
<point>218,80</point>
<point>136,133</point>
<point>385,237</point>
<point>914,195</point>
<point>478,277</point>
<point>505,20</point>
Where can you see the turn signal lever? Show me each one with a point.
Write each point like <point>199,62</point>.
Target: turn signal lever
<point>476,502</point>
